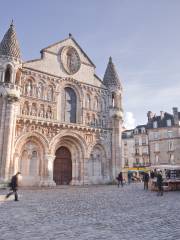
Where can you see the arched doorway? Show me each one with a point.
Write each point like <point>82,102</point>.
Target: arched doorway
<point>62,173</point>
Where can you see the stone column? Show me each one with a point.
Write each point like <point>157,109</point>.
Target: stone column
<point>116,147</point>
<point>48,178</point>
<point>74,173</point>
<point>84,171</point>
<point>8,141</point>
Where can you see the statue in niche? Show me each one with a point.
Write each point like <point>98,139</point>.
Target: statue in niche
<point>49,113</point>
<point>39,90</point>
<point>50,94</point>
<point>33,112</point>
<point>46,131</point>
<point>29,89</point>
<point>25,110</point>
<point>41,112</point>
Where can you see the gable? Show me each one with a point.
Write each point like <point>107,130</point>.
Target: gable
<point>54,48</point>
<point>53,63</point>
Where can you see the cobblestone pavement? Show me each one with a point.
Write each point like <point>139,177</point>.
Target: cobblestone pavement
<point>94,212</point>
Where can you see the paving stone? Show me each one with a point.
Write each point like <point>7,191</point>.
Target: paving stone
<point>93,212</point>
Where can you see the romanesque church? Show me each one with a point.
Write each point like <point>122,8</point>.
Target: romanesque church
<point>59,122</point>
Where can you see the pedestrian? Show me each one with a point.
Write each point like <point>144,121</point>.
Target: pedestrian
<point>159,183</point>
<point>14,186</point>
<point>120,179</point>
<point>129,177</point>
<point>146,180</point>
<point>152,175</point>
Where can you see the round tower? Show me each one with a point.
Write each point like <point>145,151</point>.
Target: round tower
<point>113,83</point>
<point>10,77</point>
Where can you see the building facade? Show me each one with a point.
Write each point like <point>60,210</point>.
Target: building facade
<point>135,148</point>
<point>164,137</point>
<point>156,143</point>
<point>59,122</point>
<point>128,149</point>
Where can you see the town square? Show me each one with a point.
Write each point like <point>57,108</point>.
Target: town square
<point>91,212</point>
<point>89,119</point>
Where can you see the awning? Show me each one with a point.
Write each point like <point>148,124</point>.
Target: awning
<point>139,169</point>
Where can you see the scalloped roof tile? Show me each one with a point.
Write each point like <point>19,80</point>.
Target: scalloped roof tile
<point>111,77</point>
<point>9,45</point>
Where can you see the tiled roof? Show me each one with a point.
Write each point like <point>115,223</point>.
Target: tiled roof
<point>9,46</point>
<point>127,134</point>
<point>161,121</point>
<point>111,77</point>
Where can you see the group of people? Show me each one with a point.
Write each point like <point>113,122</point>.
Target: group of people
<point>146,178</point>
<point>153,174</point>
<point>121,180</point>
<point>159,180</point>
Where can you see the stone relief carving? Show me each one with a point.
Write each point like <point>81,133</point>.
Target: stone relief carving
<point>70,60</point>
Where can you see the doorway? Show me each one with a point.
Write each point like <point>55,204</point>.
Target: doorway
<point>62,173</point>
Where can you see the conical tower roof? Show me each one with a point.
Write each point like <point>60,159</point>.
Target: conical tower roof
<point>111,77</point>
<point>9,46</point>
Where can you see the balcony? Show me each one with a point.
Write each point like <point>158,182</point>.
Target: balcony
<point>141,165</point>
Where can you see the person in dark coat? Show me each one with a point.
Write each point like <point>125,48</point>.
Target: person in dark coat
<point>120,179</point>
<point>129,177</point>
<point>160,183</point>
<point>152,175</point>
<point>146,180</point>
<point>14,186</point>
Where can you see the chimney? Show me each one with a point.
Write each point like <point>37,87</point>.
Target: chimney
<point>150,115</point>
<point>175,115</point>
<point>162,114</point>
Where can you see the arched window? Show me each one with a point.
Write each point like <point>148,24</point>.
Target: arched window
<point>70,105</point>
<point>113,99</point>
<point>18,77</point>
<point>7,78</point>
<point>103,104</point>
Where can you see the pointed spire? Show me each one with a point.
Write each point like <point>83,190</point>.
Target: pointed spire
<point>111,77</point>
<point>9,46</point>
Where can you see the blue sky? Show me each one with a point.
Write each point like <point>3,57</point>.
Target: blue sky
<point>143,38</point>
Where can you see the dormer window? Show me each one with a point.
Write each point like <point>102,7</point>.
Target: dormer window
<point>143,130</point>
<point>136,131</point>
<point>169,123</point>
<point>155,124</point>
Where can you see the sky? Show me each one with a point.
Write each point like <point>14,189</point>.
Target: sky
<point>143,38</point>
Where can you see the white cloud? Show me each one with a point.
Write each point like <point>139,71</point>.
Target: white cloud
<point>129,120</point>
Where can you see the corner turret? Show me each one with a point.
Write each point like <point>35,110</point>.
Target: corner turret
<point>112,82</point>
<point>10,63</point>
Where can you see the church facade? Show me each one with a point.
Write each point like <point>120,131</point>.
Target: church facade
<point>59,122</point>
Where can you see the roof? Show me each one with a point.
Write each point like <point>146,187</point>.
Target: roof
<point>127,134</point>
<point>161,120</point>
<point>9,45</point>
<point>111,77</point>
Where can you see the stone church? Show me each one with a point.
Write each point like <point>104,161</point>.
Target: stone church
<point>59,122</point>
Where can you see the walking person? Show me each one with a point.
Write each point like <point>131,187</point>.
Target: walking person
<point>14,186</point>
<point>160,183</point>
<point>129,177</point>
<point>146,180</point>
<point>152,174</point>
<point>120,179</point>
